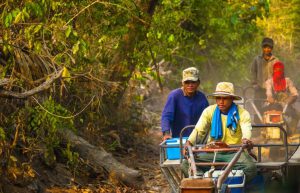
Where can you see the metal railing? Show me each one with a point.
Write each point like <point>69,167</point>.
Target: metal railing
<point>285,145</point>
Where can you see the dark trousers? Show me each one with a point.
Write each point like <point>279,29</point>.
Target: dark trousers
<point>259,100</point>
<point>244,163</point>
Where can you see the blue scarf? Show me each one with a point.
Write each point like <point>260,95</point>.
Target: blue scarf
<point>232,120</point>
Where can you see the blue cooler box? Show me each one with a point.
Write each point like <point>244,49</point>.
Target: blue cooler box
<point>173,148</point>
<point>235,180</point>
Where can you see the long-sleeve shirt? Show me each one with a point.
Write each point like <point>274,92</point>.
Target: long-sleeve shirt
<point>203,126</point>
<point>291,90</point>
<point>262,69</point>
<point>181,111</point>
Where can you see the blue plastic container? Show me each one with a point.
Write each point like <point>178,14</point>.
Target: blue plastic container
<point>257,184</point>
<point>173,149</point>
<point>236,180</point>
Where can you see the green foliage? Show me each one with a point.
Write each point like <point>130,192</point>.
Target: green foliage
<point>41,24</point>
<point>45,126</point>
<point>282,24</point>
<point>72,157</point>
<point>2,134</point>
<point>113,145</point>
<point>97,40</point>
<point>213,35</point>
<point>210,35</point>
<point>206,34</point>
<point>41,119</point>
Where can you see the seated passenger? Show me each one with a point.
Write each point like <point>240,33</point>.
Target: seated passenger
<point>226,122</point>
<point>281,91</point>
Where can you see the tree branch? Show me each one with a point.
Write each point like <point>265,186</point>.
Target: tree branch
<point>42,87</point>
<point>4,81</point>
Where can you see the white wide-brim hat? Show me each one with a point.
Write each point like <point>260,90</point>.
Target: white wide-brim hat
<point>224,89</point>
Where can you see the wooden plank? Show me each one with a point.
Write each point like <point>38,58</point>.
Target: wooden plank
<point>294,163</point>
<point>296,157</point>
<point>171,163</point>
<point>270,164</point>
<point>212,163</point>
<point>215,150</point>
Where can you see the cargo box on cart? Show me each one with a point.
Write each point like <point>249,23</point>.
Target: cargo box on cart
<point>173,148</point>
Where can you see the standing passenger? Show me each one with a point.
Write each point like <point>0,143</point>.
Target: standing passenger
<point>261,70</point>
<point>184,105</point>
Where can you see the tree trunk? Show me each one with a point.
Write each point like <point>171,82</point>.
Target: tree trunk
<point>123,65</point>
<point>99,158</point>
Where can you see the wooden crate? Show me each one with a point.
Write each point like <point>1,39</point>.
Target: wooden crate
<point>203,185</point>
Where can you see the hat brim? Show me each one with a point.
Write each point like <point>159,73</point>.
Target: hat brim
<point>190,79</point>
<point>223,94</point>
<point>267,44</point>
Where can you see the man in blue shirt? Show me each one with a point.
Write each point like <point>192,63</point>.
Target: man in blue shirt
<point>184,105</point>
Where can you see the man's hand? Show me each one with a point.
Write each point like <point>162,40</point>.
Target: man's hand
<point>249,146</point>
<point>255,85</point>
<point>270,99</point>
<point>248,143</point>
<point>167,136</point>
<point>291,99</point>
<point>185,148</point>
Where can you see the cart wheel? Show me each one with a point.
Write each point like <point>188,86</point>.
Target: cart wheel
<point>225,189</point>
